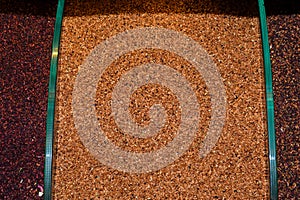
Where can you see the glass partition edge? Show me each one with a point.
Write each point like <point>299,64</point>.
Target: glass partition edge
<point>51,103</point>
<point>269,101</point>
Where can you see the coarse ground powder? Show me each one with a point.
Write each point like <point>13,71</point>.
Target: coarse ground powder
<point>237,165</point>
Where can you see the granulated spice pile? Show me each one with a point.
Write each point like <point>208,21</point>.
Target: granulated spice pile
<point>26,30</point>
<point>235,168</point>
<point>284,34</point>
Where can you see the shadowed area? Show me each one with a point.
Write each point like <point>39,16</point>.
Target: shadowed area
<point>279,7</point>
<point>29,7</point>
<point>82,8</point>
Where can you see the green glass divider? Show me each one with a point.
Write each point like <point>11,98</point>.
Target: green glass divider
<point>51,103</point>
<point>269,101</point>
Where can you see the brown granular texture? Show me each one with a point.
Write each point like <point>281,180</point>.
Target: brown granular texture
<point>145,97</point>
<point>284,36</point>
<point>236,168</point>
<point>25,52</point>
